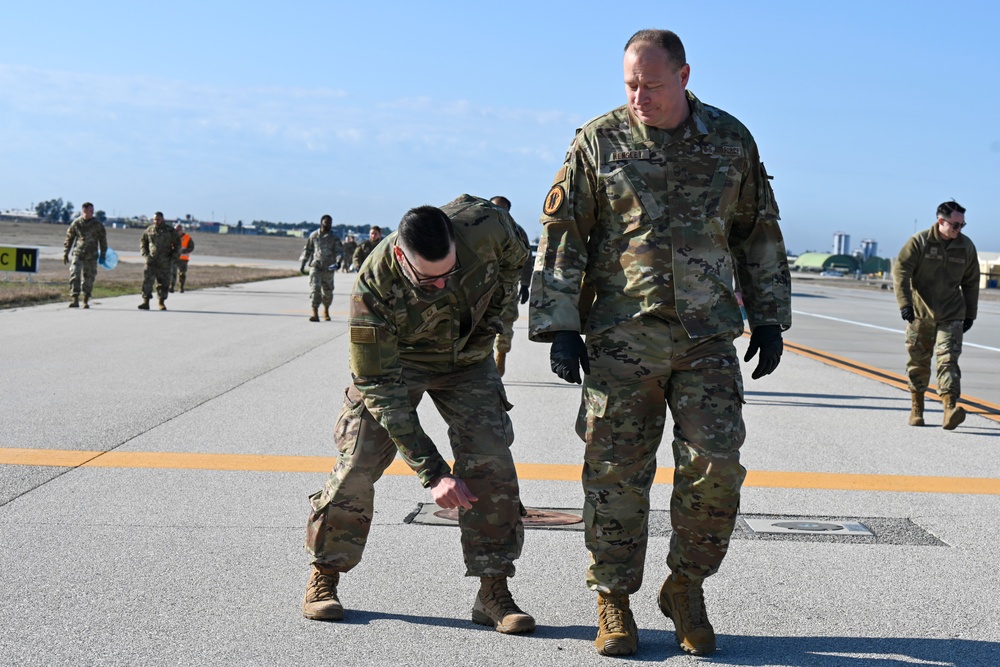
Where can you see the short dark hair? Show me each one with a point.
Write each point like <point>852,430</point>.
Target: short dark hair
<point>325,218</point>
<point>86,204</point>
<point>373,227</point>
<point>501,201</point>
<point>949,207</point>
<point>158,213</point>
<point>665,39</point>
<point>427,231</point>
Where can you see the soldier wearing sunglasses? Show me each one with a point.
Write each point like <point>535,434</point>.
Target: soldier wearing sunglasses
<point>425,309</point>
<point>936,278</point>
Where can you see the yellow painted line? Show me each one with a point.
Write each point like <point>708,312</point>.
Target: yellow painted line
<point>525,471</point>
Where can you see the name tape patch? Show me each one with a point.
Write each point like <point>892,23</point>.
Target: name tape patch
<point>628,155</point>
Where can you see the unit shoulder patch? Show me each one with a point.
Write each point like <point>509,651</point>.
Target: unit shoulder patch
<point>554,200</point>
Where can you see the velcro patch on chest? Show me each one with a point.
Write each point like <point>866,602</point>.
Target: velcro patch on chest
<point>363,335</point>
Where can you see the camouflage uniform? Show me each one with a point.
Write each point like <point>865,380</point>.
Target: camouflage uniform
<point>180,268</point>
<point>87,240</point>
<point>349,248</point>
<point>510,315</point>
<point>940,280</point>
<point>323,253</point>
<point>407,341</point>
<point>365,248</point>
<point>646,236</point>
<point>160,245</point>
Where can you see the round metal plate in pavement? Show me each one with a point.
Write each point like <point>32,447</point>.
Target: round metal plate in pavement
<point>535,517</point>
<point>809,526</point>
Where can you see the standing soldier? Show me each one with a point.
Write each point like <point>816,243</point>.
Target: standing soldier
<point>510,315</point>
<point>161,246</point>
<point>323,255</point>
<point>181,265</point>
<point>365,247</point>
<point>424,311</point>
<point>350,245</point>
<point>936,278</point>
<point>661,210</point>
<point>87,240</point>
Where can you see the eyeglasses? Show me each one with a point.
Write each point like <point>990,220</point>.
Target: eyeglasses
<point>953,225</point>
<point>430,280</point>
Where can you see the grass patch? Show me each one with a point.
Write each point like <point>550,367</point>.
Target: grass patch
<point>51,283</point>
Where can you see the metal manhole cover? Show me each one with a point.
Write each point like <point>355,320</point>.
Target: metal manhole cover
<point>803,527</point>
<point>535,517</point>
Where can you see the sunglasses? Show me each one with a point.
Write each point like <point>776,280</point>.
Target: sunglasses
<point>429,280</point>
<point>953,225</point>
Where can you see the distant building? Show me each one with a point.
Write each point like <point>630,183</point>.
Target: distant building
<point>841,243</point>
<point>869,248</point>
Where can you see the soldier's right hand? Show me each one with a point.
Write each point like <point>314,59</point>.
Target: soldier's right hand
<point>567,354</point>
<point>450,492</point>
<point>907,313</point>
<point>66,258</point>
<point>302,270</point>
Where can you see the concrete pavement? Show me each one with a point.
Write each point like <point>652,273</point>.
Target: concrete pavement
<point>109,559</point>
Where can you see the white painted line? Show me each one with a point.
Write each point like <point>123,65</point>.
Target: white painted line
<point>873,326</point>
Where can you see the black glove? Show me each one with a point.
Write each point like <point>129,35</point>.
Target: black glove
<point>907,313</point>
<point>767,339</point>
<point>525,293</point>
<point>567,354</point>
<point>302,270</point>
<point>101,259</point>
<point>966,325</point>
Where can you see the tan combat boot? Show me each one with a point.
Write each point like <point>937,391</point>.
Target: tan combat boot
<point>617,633</point>
<point>495,606</point>
<point>315,315</point>
<point>501,362</point>
<point>683,601</point>
<point>163,306</point>
<point>326,313</point>
<point>75,303</point>
<point>145,304</point>
<point>953,413</point>
<point>321,602</point>
<point>917,409</point>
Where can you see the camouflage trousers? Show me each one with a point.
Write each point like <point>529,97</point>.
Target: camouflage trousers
<point>82,274</point>
<point>925,338</point>
<point>321,286</point>
<point>179,270</point>
<point>159,271</point>
<point>636,368</point>
<point>509,317</point>
<point>474,405</point>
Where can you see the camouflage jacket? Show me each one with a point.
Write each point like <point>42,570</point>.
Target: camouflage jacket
<point>641,221</point>
<point>396,324</point>
<point>364,249</point>
<point>86,239</point>
<point>322,250</point>
<point>939,279</point>
<point>349,248</point>
<point>526,270</point>
<point>160,243</point>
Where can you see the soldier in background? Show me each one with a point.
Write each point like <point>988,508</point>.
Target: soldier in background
<point>425,309</point>
<point>510,316</point>
<point>180,269</point>
<point>936,280</point>
<point>160,245</point>
<point>87,241</point>
<point>323,254</point>
<point>365,248</point>
<point>661,208</point>
<point>350,245</point>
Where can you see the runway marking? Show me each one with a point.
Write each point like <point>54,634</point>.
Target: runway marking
<point>874,326</point>
<point>972,405</point>
<point>534,471</point>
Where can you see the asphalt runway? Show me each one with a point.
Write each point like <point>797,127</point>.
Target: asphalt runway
<point>154,470</point>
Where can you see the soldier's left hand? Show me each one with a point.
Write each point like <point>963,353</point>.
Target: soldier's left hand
<point>966,325</point>
<point>66,258</point>
<point>450,492</point>
<point>525,293</point>
<point>766,339</point>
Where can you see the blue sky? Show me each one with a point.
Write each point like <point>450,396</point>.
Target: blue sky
<point>867,114</point>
